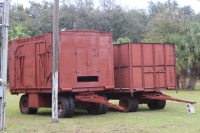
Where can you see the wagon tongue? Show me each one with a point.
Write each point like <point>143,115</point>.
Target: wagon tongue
<point>94,98</point>
<point>161,96</point>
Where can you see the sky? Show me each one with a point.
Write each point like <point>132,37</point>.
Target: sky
<point>142,4</point>
<point>136,4</point>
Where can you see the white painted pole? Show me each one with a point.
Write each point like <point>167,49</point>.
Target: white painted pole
<point>55,62</point>
<point>4,58</point>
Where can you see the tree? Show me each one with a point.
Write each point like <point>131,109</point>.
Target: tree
<point>182,55</point>
<point>192,33</point>
<point>18,32</point>
<point>136,25</point>
<point>68,16</point>
<point>85,10</point>
<point>41,17</point>
<point>166,19</point>
<point>188,53</point>
<point>122,40</point>
<point>18,15</point>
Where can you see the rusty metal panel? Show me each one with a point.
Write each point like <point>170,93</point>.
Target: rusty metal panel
<point>147,54</point>
<point>136,53</point>
<point>85,62</point>
<point>34,100</point>
<point>116,55</point>
<point>11,65</point>
<point>82,61</point>
<point>39,100</point>
<point>124,55</point>
<point>160,77</point>
<point>28,67</point>
<point>148,78</point>
<point>24,68</point>
<point>18,61</point>
<point>137,77</point>
<point>117,78</point>
<point>43,63</point>
<point>170,66</point>
<point>106,61</point>
<point>124,77</point>
<point>160,66</point>
<point>159,54</point>
<point>170,55</point>
<point>145,66</point>
<point>171,76</point>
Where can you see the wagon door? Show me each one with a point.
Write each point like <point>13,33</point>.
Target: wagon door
<point>87,67</point>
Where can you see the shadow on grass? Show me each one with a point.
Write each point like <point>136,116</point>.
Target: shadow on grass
<point>44,113</point>
<point>83,112</point>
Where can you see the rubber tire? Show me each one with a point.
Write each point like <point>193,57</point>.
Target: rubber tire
<point>105,108</point>
<point>71,108</point>
<point>135,104</point>
<point>163,104</point>
<point>95,109</point>
<point>63,106</point>
<point>156,104</point>
<point>25,109</point>
<point>127,103</point>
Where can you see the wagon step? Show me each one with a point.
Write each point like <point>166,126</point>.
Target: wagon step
<point>161,96</point>
<point>94,98</point>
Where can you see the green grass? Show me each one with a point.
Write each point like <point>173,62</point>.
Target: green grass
<point>172,119</point>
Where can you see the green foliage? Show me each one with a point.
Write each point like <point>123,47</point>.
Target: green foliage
<point>122,40</point>
<point>167,19</point>
<point>38,18</point>
<point>18,32</point>
<point>182,51</point>
<point>83,15</point>
<point>192,33</point>
<point>188,50</point>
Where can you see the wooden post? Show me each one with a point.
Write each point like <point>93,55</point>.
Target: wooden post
<point>4,60</point>
<point>55,62</point>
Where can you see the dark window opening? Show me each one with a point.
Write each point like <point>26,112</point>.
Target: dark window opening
<point>87,79</point>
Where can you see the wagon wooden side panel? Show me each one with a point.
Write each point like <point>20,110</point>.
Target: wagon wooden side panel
<point>85,63</point>
<point>144,67</point>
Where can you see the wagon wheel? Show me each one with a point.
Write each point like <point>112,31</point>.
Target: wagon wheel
<point>63,106</point>
<point>157,104</point>
<point>163,104</point>
<point>135,104</point>
<point>71,106</point>
<point>95,109</point>
<point>127,103</point>
<point>24,106</point>
<point>105,108</point>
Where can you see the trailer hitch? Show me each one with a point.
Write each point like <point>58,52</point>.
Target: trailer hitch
<point>161,96</point>
<point>94,98</point>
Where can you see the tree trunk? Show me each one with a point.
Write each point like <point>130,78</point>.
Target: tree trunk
<point>193,78</point>
<point>183,80</point>
<point>177,79</point>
